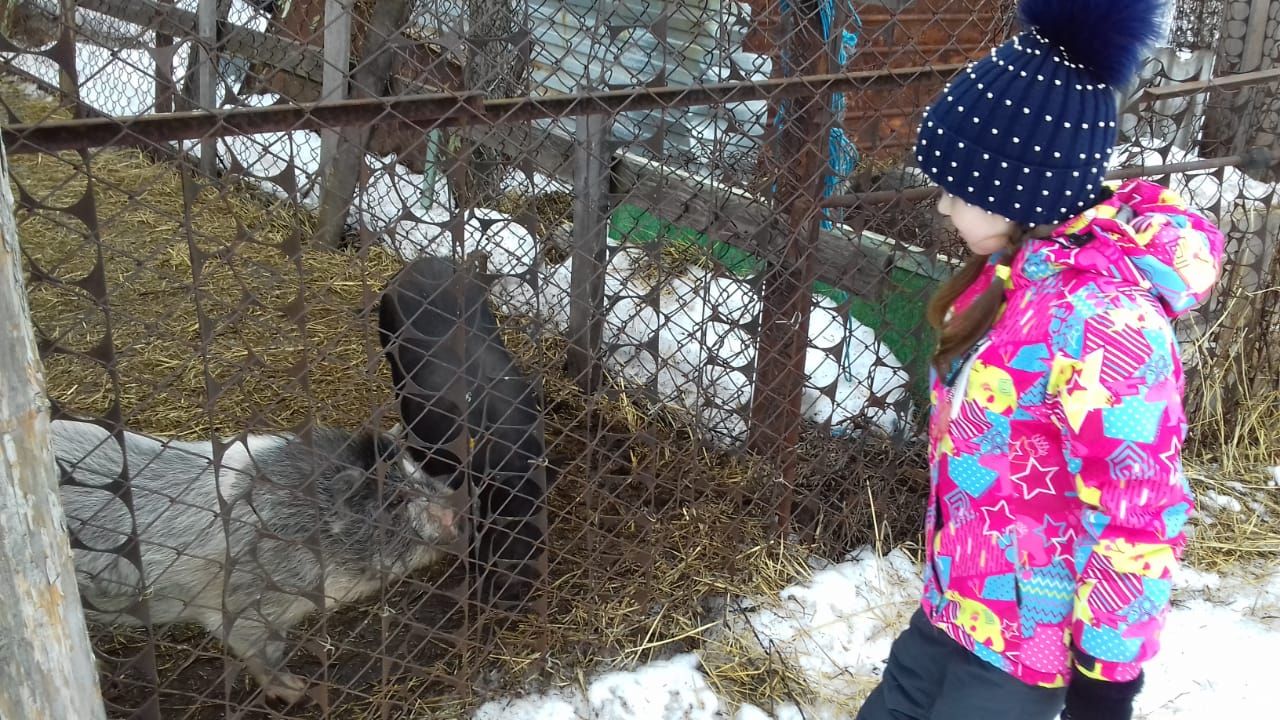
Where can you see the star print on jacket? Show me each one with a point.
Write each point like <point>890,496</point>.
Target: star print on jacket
<point>1058,498</point>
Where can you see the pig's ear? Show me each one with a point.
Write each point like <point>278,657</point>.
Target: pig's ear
<point>415,359</point>
<point>403,345</point>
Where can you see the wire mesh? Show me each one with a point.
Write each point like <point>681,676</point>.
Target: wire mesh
<point>665,347</point>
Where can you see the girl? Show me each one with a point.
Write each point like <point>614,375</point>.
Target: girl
<point>1057,497</point>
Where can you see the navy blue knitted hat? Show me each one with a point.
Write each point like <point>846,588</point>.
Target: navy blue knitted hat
<point>1027,131</point>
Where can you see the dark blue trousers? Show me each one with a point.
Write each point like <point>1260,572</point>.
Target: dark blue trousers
<point>932,677</point>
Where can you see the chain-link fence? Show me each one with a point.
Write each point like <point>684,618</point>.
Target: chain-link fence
<point>690,257</point>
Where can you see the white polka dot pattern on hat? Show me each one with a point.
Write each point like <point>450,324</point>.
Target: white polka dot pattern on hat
<point>1061,130</point>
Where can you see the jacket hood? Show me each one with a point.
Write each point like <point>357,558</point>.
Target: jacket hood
<point>1143,234</point>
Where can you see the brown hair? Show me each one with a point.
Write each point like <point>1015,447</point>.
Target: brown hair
<point>963,330</point>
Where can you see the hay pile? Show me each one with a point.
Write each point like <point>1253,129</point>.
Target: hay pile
<point>1226,463</point>
<point>284,337</point>
<point>648,528</point>
<point>1234,410</point>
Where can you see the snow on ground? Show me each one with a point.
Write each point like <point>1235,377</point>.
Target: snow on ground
<point>836,628</point>
<point>1218,648</point>
<point>672,688</point>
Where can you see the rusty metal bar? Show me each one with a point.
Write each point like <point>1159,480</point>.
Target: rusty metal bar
<point>880,197</point>
<point>1183,167</point>
<point>844,260</point>
<point>436,109</point>
<point>1226,82</point>
<point>800,159</point>
<point>433,110</point>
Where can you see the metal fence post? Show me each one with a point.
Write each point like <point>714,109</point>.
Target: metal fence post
<point>590,223</point>
<point>205,55</point>
<point>167,95</point>
<point>49,669</point>
<point>800,159</point>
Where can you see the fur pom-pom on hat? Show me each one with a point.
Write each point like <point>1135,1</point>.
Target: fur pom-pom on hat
<point>1027,131</point>
<point>1106,37</point>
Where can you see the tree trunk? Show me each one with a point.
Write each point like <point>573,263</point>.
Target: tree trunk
<point>368,80</point>
<point>48,669</point>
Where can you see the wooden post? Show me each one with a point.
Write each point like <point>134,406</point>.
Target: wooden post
<point>337,63</point>
<point>590,223</point>
<point>48,670</point>
<point>368,80</point>
<point>800,160</point>
<point>167,96</point>
<point>206,76</point>
<point>1255,36</point>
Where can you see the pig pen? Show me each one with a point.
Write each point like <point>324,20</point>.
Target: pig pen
<point>651,529</point>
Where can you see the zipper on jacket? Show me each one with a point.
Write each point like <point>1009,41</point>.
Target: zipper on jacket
<point>966,361</point>
<point>960,382</point>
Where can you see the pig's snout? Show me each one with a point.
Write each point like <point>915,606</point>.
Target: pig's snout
<point>446,518</point>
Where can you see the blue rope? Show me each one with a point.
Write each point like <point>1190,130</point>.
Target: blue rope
<point>843,156</point>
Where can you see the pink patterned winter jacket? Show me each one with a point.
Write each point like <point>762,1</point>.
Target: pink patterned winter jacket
<point>1057,500</point>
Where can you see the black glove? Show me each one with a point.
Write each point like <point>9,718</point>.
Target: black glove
<point>1089,699</point>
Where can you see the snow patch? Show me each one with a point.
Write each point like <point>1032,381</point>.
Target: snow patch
<point>672,688</point>
<point>836,628</point>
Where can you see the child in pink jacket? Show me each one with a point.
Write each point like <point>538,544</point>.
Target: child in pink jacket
<point>1057,499</point>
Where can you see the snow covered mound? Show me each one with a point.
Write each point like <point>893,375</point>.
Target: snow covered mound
<point>671,688</point>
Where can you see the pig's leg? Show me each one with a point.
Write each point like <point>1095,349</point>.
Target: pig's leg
<point>509,542</point>
<point>252,641</point>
